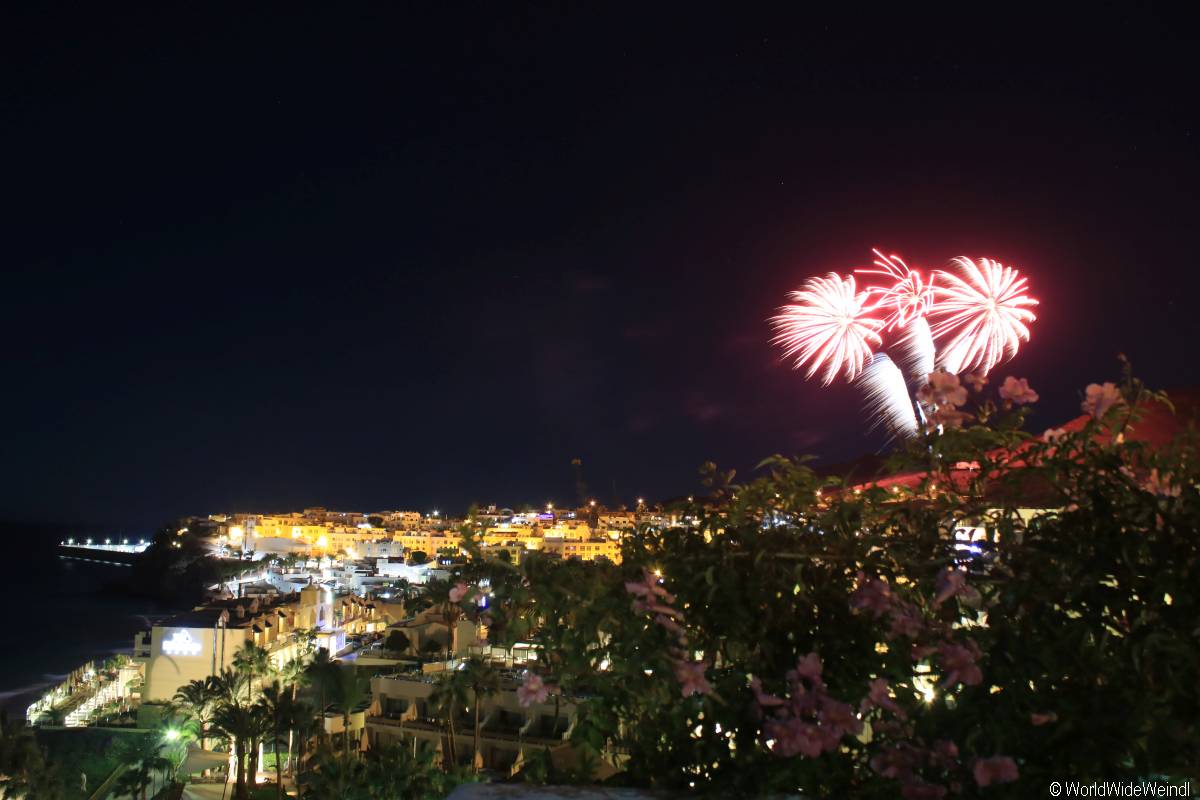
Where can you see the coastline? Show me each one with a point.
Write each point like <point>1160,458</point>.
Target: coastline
<point>97,616</point>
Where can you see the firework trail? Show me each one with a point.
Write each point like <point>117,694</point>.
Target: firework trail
<point>886,398</point>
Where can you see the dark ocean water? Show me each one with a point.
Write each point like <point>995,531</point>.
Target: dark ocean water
<point>61,613</point>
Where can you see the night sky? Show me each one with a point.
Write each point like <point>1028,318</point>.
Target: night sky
<point>262,259</point>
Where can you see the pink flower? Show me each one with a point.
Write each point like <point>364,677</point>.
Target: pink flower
<point>837,719</point>
<point>871,594</point>
<point>906,621</point>
<point>809,668</point>
<point>1161,485</point>
<point>977,380</point>
<point>671,626</point>
<point>795,736</point>
<point>949,583</point>
<point>897,762</point>
<point>1098,399</point>
<point>1017,391</point>
<point>649,588</point>
<point>458,592</point>
<point>922,651</point>
<point>959,664</point>
<point>763,699</point>
<point>945,754</point>
<point>942,389</point>
<point>690,675</point>
<point>879,696</point>
<point>532,690</point>
<point>1038,720</point>
<point>947,417</point>
<point>997,769</point>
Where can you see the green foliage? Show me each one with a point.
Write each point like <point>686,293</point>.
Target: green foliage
<point>396,642</point>
<point>24,768</point>
<point>94,752</point>
<point>385,773</point>
<point>1069,643</point>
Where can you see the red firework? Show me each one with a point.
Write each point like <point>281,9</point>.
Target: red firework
<point>908,296</point>
<point>828,326</point>
<point>984,315</point>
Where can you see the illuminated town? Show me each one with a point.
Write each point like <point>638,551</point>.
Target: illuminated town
<point>584,402</point>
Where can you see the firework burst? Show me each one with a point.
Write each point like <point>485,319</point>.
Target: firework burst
<point>828,326</point>
<point>906,297</point>
<point>972,318</point>
<point>983,315</point>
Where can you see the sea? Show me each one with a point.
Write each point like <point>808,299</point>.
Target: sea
<point>61,614</point>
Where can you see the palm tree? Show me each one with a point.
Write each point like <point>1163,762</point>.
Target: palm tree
<point>293,673</point>
<point>225,686</point>
<point>277,706</point>
<point>320,672</point>
<point>438,592</point>
<point>484,681</point>
<point>133,782</point>
<point>449,694</point>
<point>252,661</point>
<point>195,701</point>
<point>394,771</point>
<point>240,725</point>
<point>307,637</point>
<point>143,756</point>
<point>339,775</point>
<point>303,722</point>
<point>349,690</point>
<point>262,727</point>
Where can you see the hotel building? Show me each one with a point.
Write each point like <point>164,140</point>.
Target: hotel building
<point>203,642</point>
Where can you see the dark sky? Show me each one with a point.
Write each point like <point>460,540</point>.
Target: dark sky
<point>259,259</point>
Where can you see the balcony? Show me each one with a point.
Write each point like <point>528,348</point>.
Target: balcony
<point>464,730</point>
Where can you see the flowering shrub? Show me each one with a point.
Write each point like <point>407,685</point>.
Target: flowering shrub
<point>997,611</point>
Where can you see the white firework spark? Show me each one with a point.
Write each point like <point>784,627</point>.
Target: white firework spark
<point>916,350</point>
<point>886,397</point>
<point>828,326</point>
<point>907,297</point>
<point>984,314</point>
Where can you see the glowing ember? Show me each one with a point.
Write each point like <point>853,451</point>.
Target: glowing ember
<point>828,327</point>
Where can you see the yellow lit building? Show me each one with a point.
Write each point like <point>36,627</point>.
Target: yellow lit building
<point>585,549</point>
<point>202,642</point>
